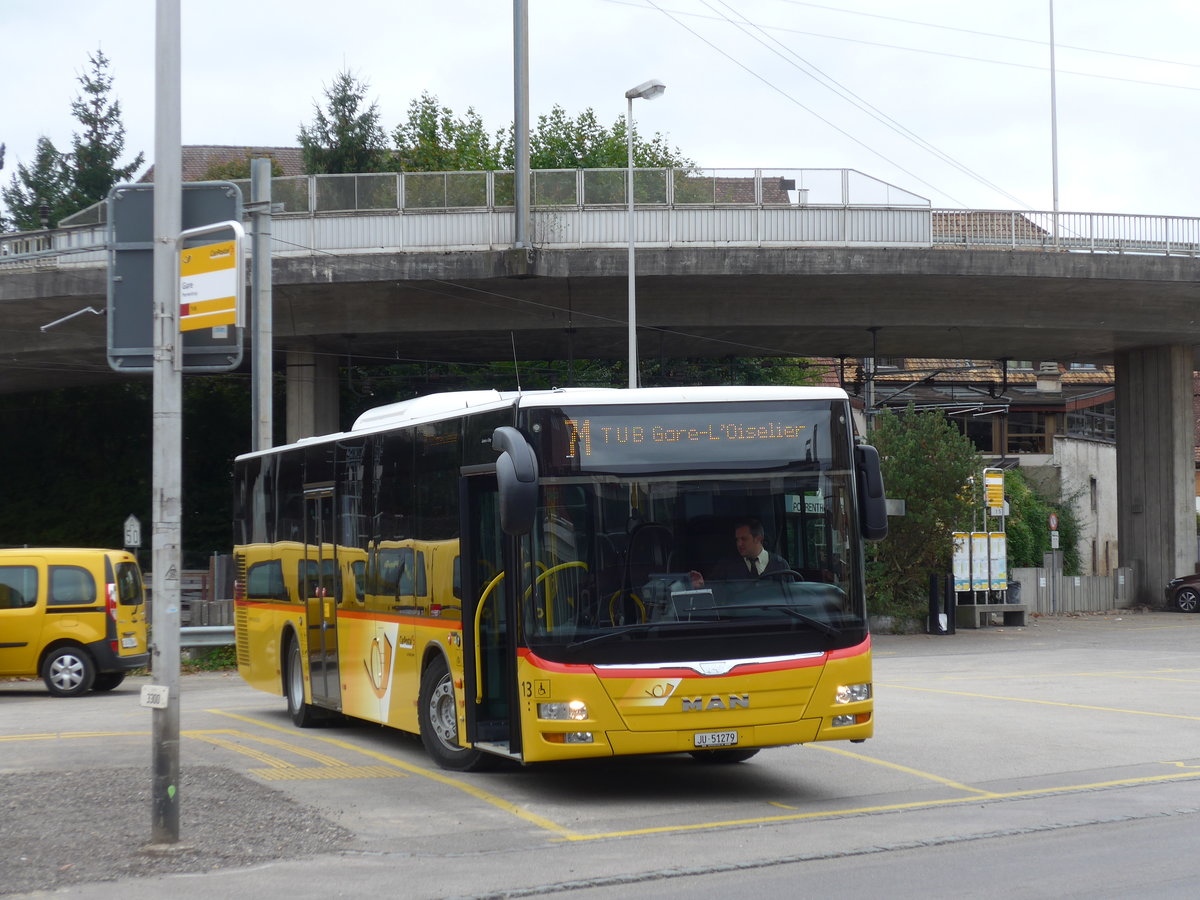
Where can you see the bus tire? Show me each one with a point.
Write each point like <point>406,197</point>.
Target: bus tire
<point>68,671</point>
<point>303,714</point>
<point>724,757</point>
<point>437,714</point>
<point>107,681</point>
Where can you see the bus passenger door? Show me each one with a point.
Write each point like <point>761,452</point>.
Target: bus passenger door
<point>489,621</point>
<point>322,592</point>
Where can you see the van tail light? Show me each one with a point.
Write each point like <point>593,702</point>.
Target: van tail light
<point>111,600</point>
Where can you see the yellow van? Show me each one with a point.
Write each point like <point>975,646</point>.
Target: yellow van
<point>75,617</point>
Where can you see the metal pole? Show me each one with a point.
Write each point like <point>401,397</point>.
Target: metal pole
<point>1053,126</point>
<point>633,349</point>
<point>261,373</point>
<point>521,122</point>
<point>168,420</point>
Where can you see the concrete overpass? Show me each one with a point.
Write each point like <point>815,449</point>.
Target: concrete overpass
<point>782,270</point>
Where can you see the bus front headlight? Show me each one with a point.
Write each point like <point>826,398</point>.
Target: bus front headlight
<point>853,693</point>
<point>575,710</point>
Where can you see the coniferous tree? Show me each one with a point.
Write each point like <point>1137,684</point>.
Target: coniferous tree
<point>96,150</point>
<point>345,136</point>
<point>45,183</point>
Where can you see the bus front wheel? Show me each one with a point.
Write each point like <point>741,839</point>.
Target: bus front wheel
<point>437,712</point>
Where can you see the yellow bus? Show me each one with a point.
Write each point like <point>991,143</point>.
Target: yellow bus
<point>567,574</point>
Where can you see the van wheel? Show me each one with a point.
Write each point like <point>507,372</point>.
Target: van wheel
<point>68,672</point>
<point>437,713</point>
<point>106,681</point>
<point>303,714</point>
<point>724,757</point>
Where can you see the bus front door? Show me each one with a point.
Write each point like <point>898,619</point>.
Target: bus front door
<point>489,622</point>
<point>322,589</point>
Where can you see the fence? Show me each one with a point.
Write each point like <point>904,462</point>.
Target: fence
<point>585,208</point>
<point>1045,591</point>
<point>205,595</point>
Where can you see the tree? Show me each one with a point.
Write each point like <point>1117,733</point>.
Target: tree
<point>1028,528</point>
<point>432,139</point>
<point>345,136</point>
<point>47,181</point>
<point>926,462</point>
<point>94,153</point>
<point>559,141</point>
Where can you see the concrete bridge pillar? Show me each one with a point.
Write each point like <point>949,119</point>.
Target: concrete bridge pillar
<point>312,394</point>
<point>1156,518</point>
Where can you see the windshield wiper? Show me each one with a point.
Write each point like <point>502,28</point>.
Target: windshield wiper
<point>824,627</point>
<point>615,633</point>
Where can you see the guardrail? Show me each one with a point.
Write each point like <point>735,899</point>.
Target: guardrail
<point>206,636</point>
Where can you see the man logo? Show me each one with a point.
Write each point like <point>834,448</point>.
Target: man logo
<point>699,704</point>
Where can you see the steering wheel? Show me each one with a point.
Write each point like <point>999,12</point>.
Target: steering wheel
<point>796,576</point>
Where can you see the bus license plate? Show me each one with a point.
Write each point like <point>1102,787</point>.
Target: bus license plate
<point>707,739</point>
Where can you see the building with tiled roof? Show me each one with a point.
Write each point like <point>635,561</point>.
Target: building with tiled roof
<point>198,161</point>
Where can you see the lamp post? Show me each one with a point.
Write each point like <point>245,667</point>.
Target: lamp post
<point>647,90</point>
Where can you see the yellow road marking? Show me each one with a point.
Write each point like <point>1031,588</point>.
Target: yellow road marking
<point>326,773</point>
<point>322,758</point>
<point>957,785</point>
<point>253,753</point>
<point>1057,703</point>
<point>863,810</point>
<point>472,790</point>
<point>7,738</point>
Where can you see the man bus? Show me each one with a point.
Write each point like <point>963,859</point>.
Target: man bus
<point>511,575</point>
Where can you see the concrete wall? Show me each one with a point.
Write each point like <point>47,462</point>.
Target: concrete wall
<point>1079,461</point>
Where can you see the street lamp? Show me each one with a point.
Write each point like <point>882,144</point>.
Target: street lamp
<point>647,90</point>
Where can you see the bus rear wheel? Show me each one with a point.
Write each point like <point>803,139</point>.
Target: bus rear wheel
<point>724,757</point>
<point>437,713</point>
<point>303,714</point>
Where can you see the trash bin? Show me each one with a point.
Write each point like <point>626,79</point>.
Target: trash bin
<point>1014,592</point>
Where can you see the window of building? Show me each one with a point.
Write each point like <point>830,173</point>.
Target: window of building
<point>1094,422</point>
<point>1028,431</point>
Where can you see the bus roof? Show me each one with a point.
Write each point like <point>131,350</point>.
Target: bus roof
<point>435,407</point>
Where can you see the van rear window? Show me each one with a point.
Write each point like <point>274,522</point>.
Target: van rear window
<point>71,586</point>
<point>129,584</point>
<point>18,587</point>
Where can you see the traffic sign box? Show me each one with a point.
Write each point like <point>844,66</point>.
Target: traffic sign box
<point>131,278</point>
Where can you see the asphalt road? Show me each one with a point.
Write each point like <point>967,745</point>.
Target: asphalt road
<point>1057,760</point>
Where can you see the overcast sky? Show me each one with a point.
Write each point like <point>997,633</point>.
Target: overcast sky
<point>950,85</point>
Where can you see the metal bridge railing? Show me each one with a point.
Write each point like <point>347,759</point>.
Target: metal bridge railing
<point>582,208</point>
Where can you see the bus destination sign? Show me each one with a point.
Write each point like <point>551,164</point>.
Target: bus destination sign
<point>602,438</point>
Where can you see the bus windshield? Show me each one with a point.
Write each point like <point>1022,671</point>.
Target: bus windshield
<point>622,568</point>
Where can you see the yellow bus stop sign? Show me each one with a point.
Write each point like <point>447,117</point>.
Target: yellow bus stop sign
<point>210,277</point>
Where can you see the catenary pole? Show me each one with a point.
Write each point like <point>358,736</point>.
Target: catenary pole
<point>521,123</point>
<point>261,371</point>
<point>167,420</point>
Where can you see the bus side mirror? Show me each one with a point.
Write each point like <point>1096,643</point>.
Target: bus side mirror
<point>517,480</point>
<point>872,505</point>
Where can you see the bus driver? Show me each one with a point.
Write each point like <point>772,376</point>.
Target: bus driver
<point>753,560</point>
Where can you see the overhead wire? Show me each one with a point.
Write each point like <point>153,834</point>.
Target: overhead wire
<point>648,4</point>
<point>849,95</point>
<point>737,62</point>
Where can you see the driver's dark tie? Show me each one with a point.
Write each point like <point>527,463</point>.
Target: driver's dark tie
<point>753,567</point>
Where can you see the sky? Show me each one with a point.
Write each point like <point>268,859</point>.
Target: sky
<point>946,99</point>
